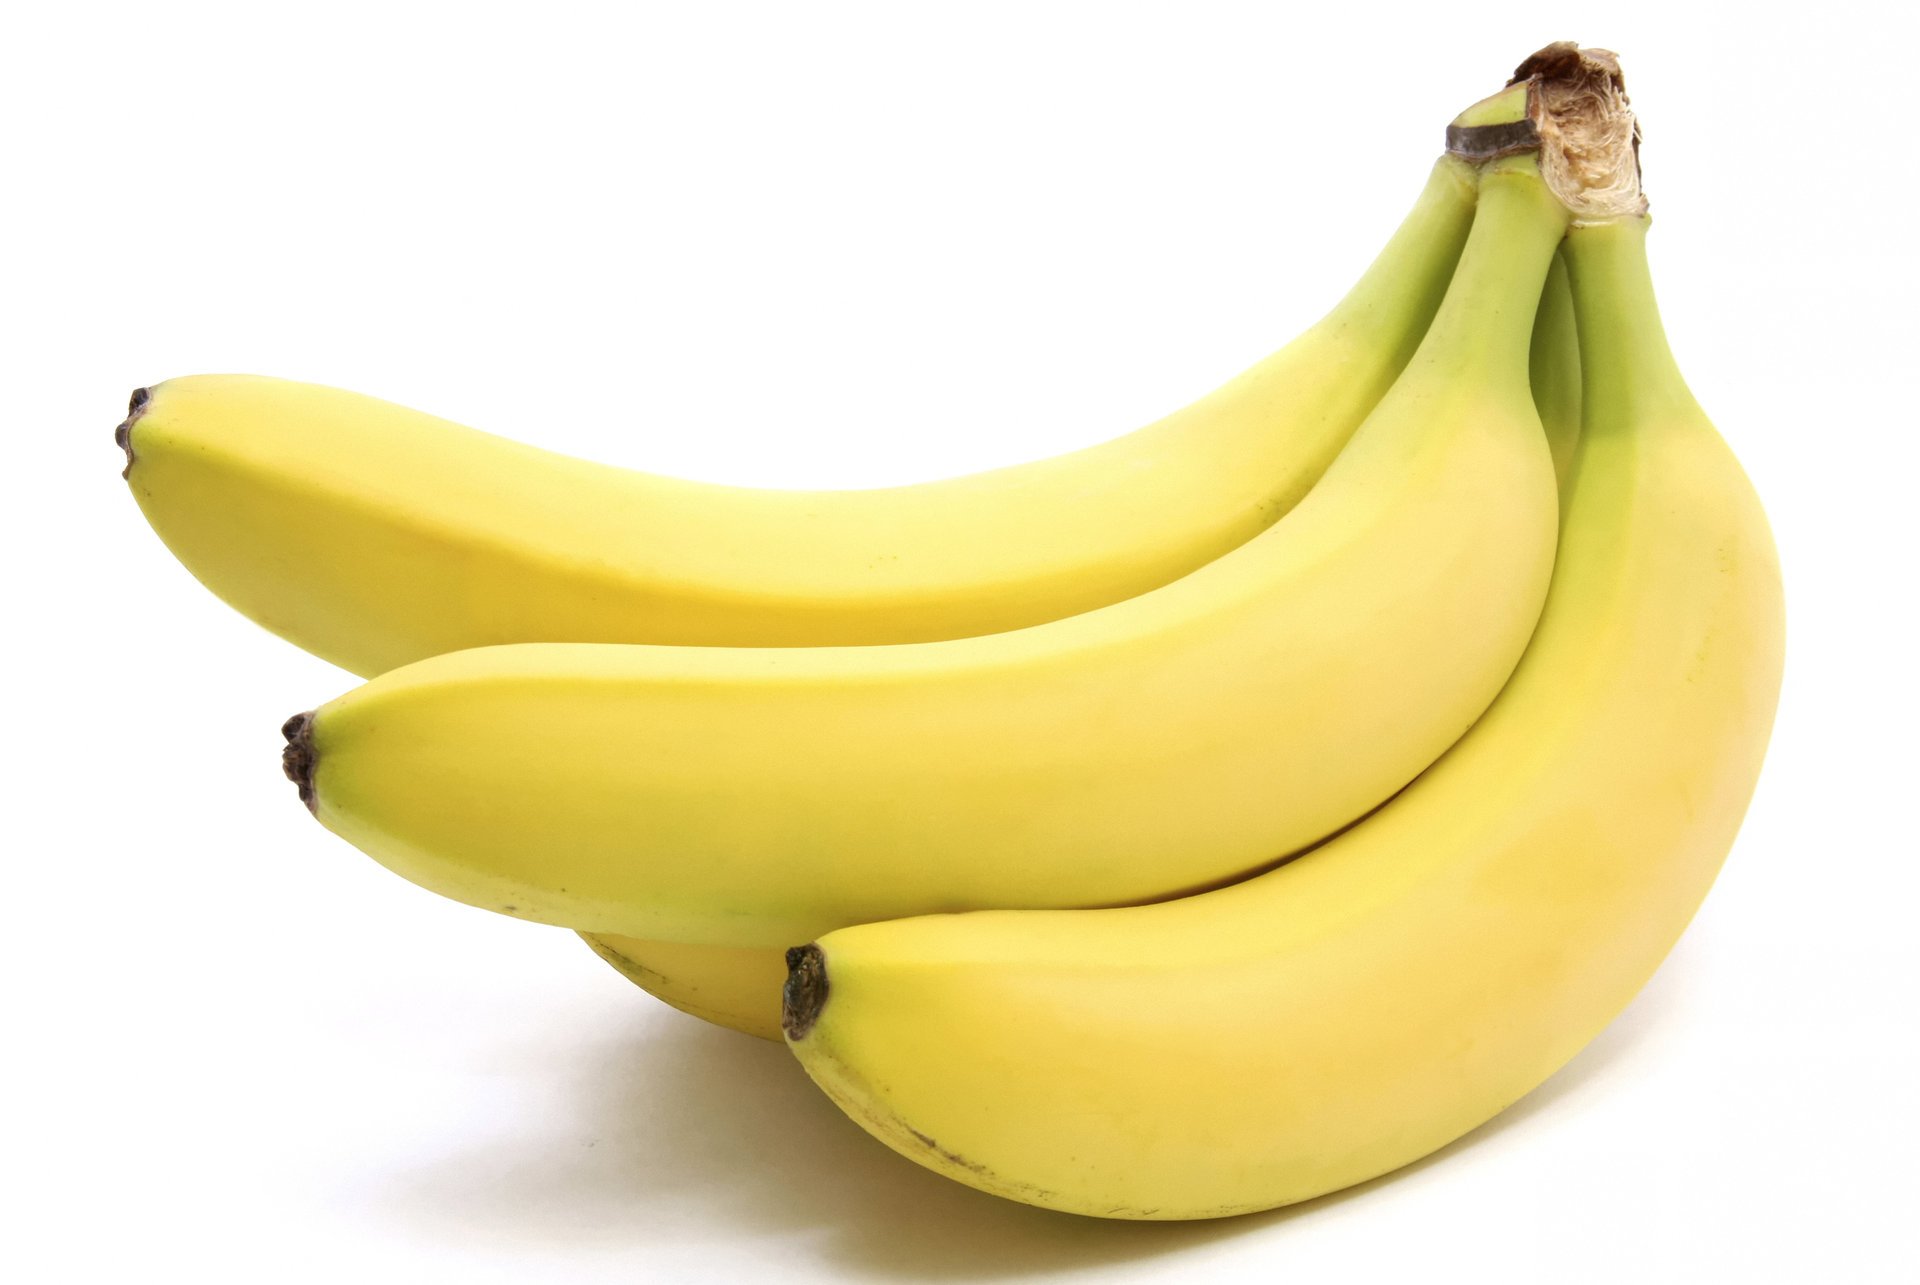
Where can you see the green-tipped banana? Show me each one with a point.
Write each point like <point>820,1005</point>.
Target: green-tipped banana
<point>373,535</point>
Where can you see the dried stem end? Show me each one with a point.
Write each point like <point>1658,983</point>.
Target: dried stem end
<point>805,993</point>
<point>1589,140</point>
<point>123,431</point>
<point>298,759</point>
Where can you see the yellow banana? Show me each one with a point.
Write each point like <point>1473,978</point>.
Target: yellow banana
<point>738,986</point>
<point>1385,993</point>
<point>372,535</point>
<point>759,796</point>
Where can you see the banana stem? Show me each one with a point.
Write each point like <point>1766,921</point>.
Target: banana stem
<point>1628,373</point>
<point>1486,322</point>
<point>1554,368</point>
<point>1402,289</point>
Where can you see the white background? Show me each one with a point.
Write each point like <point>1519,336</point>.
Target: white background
<point>848,245</point>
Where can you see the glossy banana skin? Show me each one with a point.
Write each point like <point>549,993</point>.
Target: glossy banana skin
<point>1387,992</point>
<point>739,987</point>
<point>372,535</point>
<point>736,986</point>
<point>1196,733</point>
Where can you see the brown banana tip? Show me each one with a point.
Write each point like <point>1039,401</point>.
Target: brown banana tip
<point>298,759</point>
<point>805,993</point>
<point>123,431</point>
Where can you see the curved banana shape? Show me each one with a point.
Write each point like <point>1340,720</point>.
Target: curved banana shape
<point>372,535</point>
<point>738,986</point>
<point>1385,993</point>
<point>744,797</point>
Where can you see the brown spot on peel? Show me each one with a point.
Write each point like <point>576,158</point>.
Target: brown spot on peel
<point>123,431</point>
<point>298,759</point>
<point>805,993</point>
<point>955,1158</point>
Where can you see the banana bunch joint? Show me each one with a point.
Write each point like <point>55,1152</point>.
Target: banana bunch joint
<point>1193,824</point>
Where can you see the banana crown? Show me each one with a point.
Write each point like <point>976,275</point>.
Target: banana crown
<point>1568,106</point>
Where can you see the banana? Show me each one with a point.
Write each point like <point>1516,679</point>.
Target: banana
<point>738,986</point>
<point>760,796</point>
<point>372,535</point>
<point>1555,369</point>
<point>1385,993</point>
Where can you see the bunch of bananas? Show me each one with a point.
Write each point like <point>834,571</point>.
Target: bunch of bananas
<point>1188,825</point>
